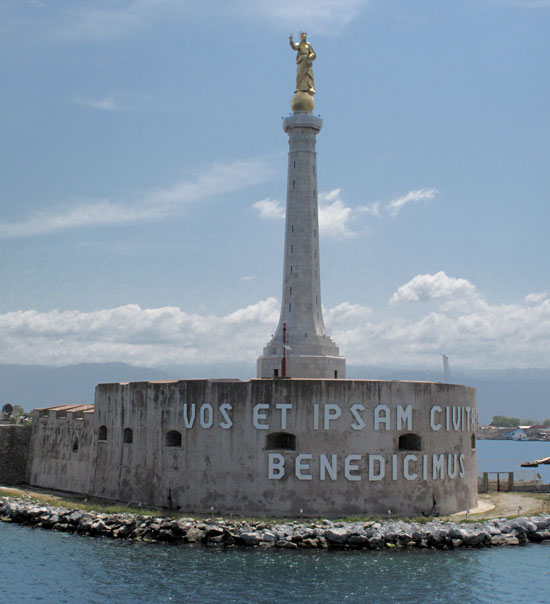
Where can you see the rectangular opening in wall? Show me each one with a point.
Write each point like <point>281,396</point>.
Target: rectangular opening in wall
<point>275,373</point>
<point>173,438</point>
<point>283,441</point>
<point>336,374</point>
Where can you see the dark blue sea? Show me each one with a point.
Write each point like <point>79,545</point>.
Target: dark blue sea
<point>507,455</point>
<point>49,567</point>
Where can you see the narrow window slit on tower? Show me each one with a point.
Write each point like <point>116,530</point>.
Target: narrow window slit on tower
<point>294,164</point>
<point>291,248</point>
<point>293,184</point>
<point>291,291</point>
<point>289,307</point>
<point>291,269</point>
<point>292,228</point>
<point>128,436</point>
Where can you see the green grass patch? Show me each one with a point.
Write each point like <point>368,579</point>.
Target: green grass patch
<point>91,505</point>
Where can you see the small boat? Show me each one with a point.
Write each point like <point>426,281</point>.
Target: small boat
<point>529,464</point>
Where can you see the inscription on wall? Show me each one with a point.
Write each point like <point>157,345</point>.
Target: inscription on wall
<point>353,466</point>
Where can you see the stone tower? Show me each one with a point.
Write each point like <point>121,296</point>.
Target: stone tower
<point>308,350</point>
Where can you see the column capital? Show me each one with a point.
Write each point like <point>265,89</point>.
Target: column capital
<point>302,119</point>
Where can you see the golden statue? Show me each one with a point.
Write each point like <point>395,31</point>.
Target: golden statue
<point>304,61</point>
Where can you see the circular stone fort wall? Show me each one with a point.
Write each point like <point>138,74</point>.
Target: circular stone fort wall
<point>288,446</point>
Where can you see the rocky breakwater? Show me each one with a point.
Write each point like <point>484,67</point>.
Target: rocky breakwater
<point>324,534</point>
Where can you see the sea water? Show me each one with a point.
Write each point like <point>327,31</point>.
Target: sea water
<point>507,456</point>
<point>51,567</point>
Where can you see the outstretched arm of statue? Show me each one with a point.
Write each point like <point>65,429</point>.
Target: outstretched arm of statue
<point>293,45</point>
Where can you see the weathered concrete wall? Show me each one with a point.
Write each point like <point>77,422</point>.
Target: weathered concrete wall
<point>347,457</point>
<point>14,452</point>
<point>63,451</point>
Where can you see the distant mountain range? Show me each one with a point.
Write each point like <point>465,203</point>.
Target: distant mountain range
<point>34,386</point>
<point>523,393</point>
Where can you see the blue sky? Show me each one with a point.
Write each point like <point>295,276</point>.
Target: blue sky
<point>143,170</point>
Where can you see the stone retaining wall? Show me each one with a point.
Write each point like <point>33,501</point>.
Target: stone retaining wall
<point>323,534</point>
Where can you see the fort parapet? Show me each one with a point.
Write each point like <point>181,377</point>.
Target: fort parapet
<point>268,446</point>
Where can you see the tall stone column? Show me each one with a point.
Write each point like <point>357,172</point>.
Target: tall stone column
<point>309,351</point>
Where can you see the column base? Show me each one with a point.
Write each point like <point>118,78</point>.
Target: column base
<point>302,366</point>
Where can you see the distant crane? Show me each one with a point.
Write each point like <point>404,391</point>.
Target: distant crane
<point>446,370</point>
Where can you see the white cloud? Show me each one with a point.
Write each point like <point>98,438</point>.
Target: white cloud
<point>153,205</point>
<point>396,205</point>
<point>334,215</point>
<point>423,288</point>
<point>536,298</point>
<point>373,209</point>
<point>142,336</point>
<point>346,314</point>
<point>107,103</point>
<point>269,208</point>
<point>481,336</point>
<point>475,335</point>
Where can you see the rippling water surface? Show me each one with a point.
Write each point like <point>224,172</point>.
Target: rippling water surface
<point>44,566</point>
<point>507,456</point>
